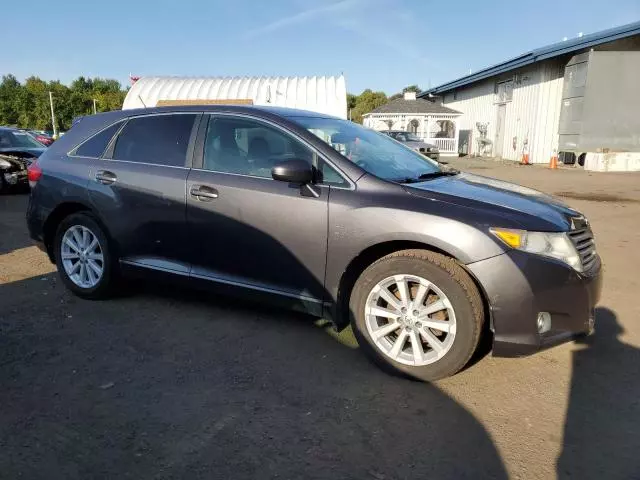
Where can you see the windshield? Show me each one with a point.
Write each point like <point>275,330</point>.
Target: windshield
<point>17,139</point>
<point>411,137</point>
<point>374,152</point>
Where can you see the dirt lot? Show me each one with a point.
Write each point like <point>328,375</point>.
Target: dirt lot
<point>169,384</point>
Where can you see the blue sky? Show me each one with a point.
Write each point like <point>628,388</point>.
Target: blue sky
<point>379,44</point>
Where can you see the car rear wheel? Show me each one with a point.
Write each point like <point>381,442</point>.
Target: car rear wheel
<point>417,313</point>
<point>83,258</point>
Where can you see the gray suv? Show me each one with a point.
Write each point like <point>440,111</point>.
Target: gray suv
<point>320,215</point>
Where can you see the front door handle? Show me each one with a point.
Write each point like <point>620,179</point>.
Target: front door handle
<point>105,177</point>
<point>203,193</point>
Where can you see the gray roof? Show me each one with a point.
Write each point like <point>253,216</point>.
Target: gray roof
<point>400,105</point>
<point>544,53</point>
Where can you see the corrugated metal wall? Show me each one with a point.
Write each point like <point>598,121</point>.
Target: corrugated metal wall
<point>319,94</point>
<point>548,115</point>
<point>531,115</point>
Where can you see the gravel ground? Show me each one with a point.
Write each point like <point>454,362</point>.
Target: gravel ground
<point>164,383</point>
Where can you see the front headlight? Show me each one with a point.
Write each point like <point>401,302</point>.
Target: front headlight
<point>549,244</point>
<point>4,163</point>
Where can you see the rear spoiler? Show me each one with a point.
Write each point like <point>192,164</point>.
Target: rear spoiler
<point>76,120</point>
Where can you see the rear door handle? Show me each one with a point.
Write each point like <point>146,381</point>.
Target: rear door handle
<point>203,193</point>
<point>105,177</point>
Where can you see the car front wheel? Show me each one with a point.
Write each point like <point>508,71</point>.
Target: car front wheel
<point>418,313</point>
<point>83,257</point>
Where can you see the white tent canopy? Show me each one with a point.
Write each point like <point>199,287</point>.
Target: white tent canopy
<point>319,94</point>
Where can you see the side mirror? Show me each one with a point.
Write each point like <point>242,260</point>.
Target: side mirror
<point>292,171</point>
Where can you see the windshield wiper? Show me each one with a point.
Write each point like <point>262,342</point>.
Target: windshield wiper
<point>427,176</point>
<point>439,173</point>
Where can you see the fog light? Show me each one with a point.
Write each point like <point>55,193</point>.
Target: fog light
<point>544,322</point>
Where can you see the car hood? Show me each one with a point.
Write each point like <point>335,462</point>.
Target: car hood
<point>532,209</point>
<point>23,152</point>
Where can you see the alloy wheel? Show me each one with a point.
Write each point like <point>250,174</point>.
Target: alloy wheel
<point>410,320</point>
<point>82,256</point>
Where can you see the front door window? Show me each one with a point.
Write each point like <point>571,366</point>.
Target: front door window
<point>247,147</point>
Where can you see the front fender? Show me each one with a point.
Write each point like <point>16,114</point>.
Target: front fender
<point>356,228</point>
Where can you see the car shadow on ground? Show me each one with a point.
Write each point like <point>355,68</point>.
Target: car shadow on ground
<point>169,384</point>
<point>602,426</point>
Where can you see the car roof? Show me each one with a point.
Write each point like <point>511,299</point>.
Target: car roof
<point>282,111</point>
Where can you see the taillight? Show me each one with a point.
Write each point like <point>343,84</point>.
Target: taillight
<point>34,172</point>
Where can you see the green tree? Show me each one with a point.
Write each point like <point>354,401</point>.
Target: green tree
<point>27,105</point>
<point>365,102</point>
<point>34,104</point>
<point>9,92</point>
<point>412,88</point>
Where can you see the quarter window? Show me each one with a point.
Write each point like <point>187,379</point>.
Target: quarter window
<point>96,145</point>
<point>159,139</point>
<point>327,175</point>
<point>248,147</point>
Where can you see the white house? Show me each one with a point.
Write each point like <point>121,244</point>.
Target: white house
<point>431,121</point>
<point>579,98</point>
<point>318,94</point>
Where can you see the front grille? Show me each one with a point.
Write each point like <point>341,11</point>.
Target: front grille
<point>586,246</point>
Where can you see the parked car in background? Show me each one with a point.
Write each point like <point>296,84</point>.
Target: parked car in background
<point>41,136</point>
<point>413,141</point>
<point>18,149</point>
<point>322,215</point>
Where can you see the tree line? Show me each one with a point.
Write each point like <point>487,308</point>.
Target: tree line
<point>26,105</point>
<point>358,105</point>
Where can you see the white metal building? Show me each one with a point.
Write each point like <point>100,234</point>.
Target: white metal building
<point>534,103</point>
<point>432,122</point>
<point>318,94</point>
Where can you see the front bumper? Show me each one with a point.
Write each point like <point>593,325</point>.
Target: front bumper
<point>519,285</point>
<point>432,155</point>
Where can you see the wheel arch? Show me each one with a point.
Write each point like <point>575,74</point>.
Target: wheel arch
<point>58,214</point>
<point>374,252</point>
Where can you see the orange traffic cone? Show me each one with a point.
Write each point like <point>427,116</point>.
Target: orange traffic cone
<point>553,163</point>
<point>525,157</point>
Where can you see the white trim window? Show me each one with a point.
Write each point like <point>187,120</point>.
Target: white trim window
<point>504,91</point>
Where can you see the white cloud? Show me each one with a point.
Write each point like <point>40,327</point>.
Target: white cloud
<point>382,23</point>
<point>339,7</point>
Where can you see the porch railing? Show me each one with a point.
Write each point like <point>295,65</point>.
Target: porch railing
<point>445,145</point>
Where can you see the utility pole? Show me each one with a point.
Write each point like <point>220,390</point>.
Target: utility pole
<point>53,117</point>
<point>94,106</point>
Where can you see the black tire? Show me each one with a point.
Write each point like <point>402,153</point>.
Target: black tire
<point>105,286</point>
<point>452,280</point>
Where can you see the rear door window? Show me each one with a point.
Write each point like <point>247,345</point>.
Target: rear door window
<point>96,145</point>
<point>157,139</point>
